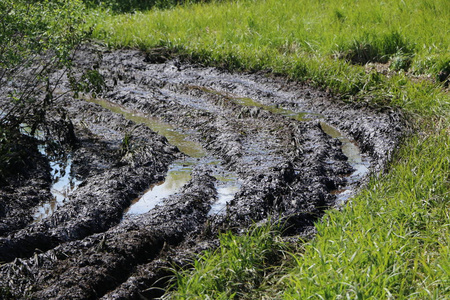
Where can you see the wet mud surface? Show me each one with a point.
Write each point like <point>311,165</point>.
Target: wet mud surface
<point>168,155</point>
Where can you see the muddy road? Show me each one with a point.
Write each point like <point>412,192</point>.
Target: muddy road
<point>168,154</point>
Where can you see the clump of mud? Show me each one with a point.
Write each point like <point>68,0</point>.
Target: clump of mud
<point>288,151</point>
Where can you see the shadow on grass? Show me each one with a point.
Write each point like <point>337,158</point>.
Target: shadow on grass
<point>126,6</point>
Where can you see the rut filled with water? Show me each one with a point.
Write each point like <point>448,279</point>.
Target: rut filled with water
<point>168,155</point>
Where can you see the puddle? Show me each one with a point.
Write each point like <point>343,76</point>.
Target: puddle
<point>175,137</point>
<point>349,147</point>
<point>275,109</point>
<point>226,190</point>
<point>178,175</point>
<point>355,159</point>
<point>179,172</point>
<point>64,183</point>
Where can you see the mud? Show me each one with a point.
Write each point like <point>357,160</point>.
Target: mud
<point>256,147</point>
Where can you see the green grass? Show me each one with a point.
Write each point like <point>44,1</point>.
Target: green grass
<point>391,241</point>
<point>237,268</point>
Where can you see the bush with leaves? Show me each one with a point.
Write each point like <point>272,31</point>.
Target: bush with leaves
<point>36,37</point>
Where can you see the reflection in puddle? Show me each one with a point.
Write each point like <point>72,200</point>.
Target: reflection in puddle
<point>63,185</point>
<point>225,193</point>
<point>178,175</point>
<point>350,149</point>
<point>179,172</point>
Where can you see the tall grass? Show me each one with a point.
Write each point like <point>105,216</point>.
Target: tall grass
<point>316,41</point>
<point>235,270</point>
<point>392,241</point>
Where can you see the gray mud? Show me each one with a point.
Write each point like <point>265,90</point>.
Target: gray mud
<point>256,146</point>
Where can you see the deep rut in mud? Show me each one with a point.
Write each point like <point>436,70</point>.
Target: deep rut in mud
<point>168,155</point>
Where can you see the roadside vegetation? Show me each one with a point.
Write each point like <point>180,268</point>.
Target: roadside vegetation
<point>392,240</point>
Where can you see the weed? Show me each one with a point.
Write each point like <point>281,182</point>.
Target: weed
<point>400,62</point>
<point>125,146</point>
<point>90,82</point>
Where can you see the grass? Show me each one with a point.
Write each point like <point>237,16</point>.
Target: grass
<point>392,240</point>
<point>236,269</point>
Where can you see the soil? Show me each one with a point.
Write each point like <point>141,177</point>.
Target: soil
<point>266,129</point>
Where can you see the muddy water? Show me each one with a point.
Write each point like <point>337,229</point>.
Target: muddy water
<point>63,180</point>
<point>358,161</point>
<point>349,147</point>
<point>179,172</point>
<point>226,190</point>
<point>178,175</point>
<point>175,137</point>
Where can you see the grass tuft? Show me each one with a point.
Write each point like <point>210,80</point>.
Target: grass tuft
<point>375,48</point>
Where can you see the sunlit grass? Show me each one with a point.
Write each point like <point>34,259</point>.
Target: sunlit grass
<point>238,268</point>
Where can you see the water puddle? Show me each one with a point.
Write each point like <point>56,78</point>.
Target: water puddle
<point>178,175</point>
<point>63,180</point>
<point>359,162</point>
<point>226,190</point>
<point>179,172</point>
<point>64,183</point>
<point>349,147</point>
<point>174,136</point>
